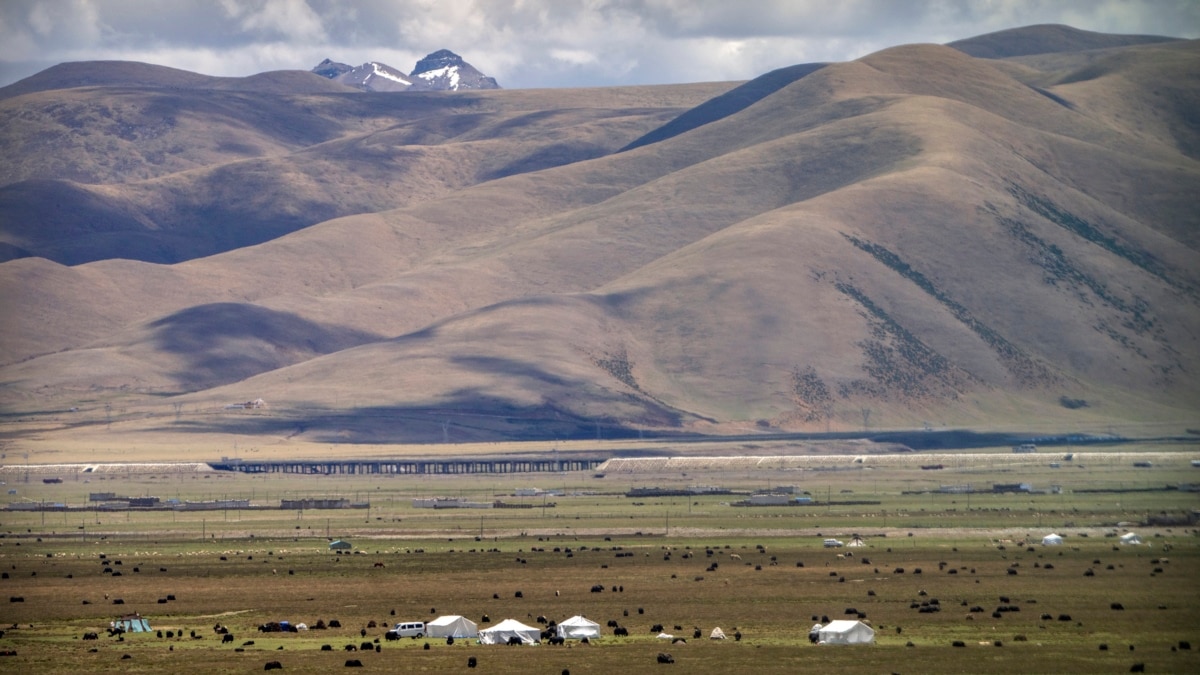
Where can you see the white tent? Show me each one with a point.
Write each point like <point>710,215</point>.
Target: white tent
<point>509,628</point>
<point>717,634</point>
<point>577,628</point>
<point>1052,540</point>
<point>451,626</point>
<point>1130,539</point>
<point>846,633</point>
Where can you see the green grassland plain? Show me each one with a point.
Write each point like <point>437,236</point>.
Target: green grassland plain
<point>695,562</point>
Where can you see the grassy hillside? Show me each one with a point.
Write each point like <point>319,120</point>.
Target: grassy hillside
<point>917,237</point>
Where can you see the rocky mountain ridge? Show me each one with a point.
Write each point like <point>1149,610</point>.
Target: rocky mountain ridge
<point>442,70</point>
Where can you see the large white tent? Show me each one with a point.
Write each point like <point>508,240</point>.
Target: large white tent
<point>846,633</point>
<point>577,628</point>
<point>451,626</point>
<point>1052,540</point>
<point>509,628</point>
<point>1130,539</point>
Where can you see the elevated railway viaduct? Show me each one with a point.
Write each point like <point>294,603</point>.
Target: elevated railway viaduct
<point>412,466</point>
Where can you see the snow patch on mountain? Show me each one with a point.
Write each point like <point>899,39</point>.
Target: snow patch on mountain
<point>384,71</point>
<point>449,73</point>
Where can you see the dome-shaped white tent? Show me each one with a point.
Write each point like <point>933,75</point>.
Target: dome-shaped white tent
<point>502,632</point>
<point>451,626</point>
<point>1052,540</point>
<point>846,633</point>
<point>577,628</point>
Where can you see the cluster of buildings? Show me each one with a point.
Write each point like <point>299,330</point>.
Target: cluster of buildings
<point>110,501</point>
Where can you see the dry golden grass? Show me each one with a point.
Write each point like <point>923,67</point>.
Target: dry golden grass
<point>242,568</point>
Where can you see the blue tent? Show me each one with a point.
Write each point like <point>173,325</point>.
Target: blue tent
<point>131,624</point>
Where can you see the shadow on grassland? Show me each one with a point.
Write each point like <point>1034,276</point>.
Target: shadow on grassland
<point>460,421</point>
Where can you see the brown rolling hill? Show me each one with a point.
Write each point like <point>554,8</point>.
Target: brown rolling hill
<point>916,237</point>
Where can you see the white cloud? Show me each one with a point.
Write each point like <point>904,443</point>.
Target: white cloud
<point>286,19</point>
<point>574,57</point>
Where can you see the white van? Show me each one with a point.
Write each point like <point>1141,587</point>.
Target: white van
<point>832,543</point>
<point>412,629</point>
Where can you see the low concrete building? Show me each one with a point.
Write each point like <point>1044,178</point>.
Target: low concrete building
<point>769,499</point>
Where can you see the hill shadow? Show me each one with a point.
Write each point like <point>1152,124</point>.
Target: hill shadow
<point>729,103</point>
<point>464,415</point>
<point>467,419</point>
<point>227,342</point>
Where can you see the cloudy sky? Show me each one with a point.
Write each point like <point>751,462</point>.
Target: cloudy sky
<point>534,43</point>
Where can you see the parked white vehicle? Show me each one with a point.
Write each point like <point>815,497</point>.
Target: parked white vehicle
<point>833,543</point>
<point>412,629</point>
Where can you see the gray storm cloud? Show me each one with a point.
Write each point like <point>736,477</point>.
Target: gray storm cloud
<point>534,43</point>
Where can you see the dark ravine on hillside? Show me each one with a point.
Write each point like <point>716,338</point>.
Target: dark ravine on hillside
<point>996,233</point>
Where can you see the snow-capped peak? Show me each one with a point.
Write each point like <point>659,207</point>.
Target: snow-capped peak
<point>442,70</point>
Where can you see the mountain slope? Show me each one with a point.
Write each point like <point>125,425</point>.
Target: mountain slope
<point>1046,39</point>
<point>256,168</point>
<point>915,237</point>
